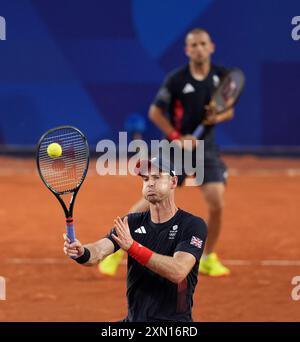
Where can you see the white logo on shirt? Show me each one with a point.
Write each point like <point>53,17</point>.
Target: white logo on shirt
<point>216,80</point>
<point>141,230</point>
<point>188,88</point>
<point>173,232</point>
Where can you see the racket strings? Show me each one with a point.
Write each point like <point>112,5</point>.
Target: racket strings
<point>229,90</point>
<point>64,173</point>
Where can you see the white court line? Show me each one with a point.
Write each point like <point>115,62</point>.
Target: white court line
<point>238,262</point>
<point>233,172</point>
<point>36,261</point>
<point>290,172</point>
<point>280,262</point>
<point>229,262</point>
<point>277,263</point>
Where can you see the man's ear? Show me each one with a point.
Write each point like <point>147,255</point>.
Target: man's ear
<point>174,181</point>
<point>186,51</point>
<point>213,47</point>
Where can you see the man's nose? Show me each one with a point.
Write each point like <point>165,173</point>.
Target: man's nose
<point>151,182</point>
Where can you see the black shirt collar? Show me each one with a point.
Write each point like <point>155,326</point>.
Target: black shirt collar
<point>163,224</point>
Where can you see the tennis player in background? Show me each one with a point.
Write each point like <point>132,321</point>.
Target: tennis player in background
<point>182,103</point>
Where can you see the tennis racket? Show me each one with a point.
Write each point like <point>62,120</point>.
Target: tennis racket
<point>225,96</point>
<point>65,173</point>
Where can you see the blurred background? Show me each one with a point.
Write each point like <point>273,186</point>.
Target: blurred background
<point>97,65</point>
<point>94,64</point>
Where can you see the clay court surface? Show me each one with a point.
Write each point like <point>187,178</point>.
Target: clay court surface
<point>260,242</point>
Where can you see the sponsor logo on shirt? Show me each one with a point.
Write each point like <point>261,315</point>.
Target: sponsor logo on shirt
<point>141,230</point>
<point>164,95</point>
<point>216,80</point>
<point>173,232</point>
<point>188,88</point>
<point>196,242</point>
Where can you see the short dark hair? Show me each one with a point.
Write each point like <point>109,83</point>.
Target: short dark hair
<point>197,30</point>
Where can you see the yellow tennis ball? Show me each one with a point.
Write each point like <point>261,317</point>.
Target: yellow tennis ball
<point>54,150</point>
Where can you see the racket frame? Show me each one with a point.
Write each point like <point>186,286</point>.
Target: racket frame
<point>240,92</point>
<point>68,212</point>
<point>200,130</point>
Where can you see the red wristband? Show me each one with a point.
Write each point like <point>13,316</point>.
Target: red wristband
<point>140,253</point>
<point>174,135</point>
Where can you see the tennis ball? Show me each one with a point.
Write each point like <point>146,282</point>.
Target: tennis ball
<point>54,150</point>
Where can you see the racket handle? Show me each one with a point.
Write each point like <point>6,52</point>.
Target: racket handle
<point>198,131</point>
<point>70,229</point>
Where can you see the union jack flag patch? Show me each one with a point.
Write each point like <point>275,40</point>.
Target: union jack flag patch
<point>196,242</point>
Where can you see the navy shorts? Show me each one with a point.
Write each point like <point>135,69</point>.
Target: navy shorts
<point>215,170</point>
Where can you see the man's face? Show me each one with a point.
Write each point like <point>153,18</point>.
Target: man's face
<point>157,186</point>
<point>199,47</point>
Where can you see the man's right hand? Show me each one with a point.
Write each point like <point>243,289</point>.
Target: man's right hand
<point>74,249</point>
<point>192,142</point>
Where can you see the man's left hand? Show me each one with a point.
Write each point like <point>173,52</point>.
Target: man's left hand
<point>123,238</point>
<point>211,119</point>
<point>211,116</point>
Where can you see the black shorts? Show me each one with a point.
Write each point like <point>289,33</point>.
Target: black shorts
<point>212,167</point>
<point>215,170</point>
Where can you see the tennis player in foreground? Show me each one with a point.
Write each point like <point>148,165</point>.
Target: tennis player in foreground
<point>164,246</point>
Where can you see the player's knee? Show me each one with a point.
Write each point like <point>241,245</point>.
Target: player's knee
<point>216,206</point>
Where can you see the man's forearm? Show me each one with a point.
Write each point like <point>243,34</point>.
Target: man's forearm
<point>174,268</point>
<point>98,251</point>
<point>167,267</point>
<point>95,255</point>
<point>156,115</point>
